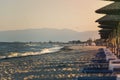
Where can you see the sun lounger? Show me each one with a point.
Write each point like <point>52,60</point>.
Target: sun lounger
<point>97,78</point>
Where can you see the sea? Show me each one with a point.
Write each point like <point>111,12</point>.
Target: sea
<point>21,49</point>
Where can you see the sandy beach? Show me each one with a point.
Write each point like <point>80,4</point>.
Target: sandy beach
<point>63,65</point>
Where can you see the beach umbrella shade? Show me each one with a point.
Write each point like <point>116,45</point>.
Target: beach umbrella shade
<point>111,23</point>
<point>104,34</point>
<point>107,26</point>
<point>113,0</point>
<point>104,37</point>
<point>106,30</point>
<point>110,18</point>
<point>113,8</point>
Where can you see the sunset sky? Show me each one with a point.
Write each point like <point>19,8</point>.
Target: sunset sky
<point>77,15</point>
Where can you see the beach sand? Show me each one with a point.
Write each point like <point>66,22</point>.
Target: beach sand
<point>63,65</point>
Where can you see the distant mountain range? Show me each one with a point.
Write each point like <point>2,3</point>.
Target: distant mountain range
<point>46,34</point>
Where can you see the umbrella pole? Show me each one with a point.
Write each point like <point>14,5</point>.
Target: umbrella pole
<point>114,44</point>
<point>117,39</point>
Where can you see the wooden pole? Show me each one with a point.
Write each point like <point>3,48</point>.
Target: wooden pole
<point>114,46</point>
<point>117,38</point>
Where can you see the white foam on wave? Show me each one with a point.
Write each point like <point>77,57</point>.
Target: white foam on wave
<point>50,50</point>
<point>2,57</point>
<point>43,51</point>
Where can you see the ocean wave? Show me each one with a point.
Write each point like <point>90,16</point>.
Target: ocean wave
<point>43,51</point>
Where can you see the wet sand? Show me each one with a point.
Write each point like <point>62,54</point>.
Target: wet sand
<point>63,65</point>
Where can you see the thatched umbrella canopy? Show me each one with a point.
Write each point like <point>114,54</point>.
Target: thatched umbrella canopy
<point>110,18</point>
<point>105,30</point>
<point>113,0</point>
<point>103,37</point>
<point>107,26</point>
<point>104,33</point>
<point>113,8</point>
<point>112,23</point>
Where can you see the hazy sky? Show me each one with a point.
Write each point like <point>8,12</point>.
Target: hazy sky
<point>71,14</point>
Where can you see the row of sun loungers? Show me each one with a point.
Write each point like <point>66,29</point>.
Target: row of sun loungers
<point>100,65</point>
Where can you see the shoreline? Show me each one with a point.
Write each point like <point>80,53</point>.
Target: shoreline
<point>56,64</point>
<point>65,49</point>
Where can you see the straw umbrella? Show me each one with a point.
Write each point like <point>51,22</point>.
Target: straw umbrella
<point>113,0</point>
<point>111,20</point>
<point>113,8</point>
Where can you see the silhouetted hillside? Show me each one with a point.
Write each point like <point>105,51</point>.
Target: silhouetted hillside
<point>46,34</point>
